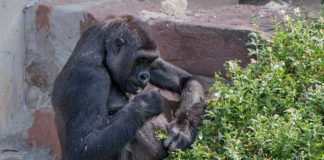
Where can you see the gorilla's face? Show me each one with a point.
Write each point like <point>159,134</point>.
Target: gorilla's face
<point>130,57</point>
<point>140,74</point>
<point>131,66</point>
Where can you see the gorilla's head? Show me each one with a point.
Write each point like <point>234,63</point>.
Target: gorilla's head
<point>130,52</point>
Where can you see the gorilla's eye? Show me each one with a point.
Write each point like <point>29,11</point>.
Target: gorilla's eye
<point>142,60</point>
<point>119,42</point>
<point>145,59</point>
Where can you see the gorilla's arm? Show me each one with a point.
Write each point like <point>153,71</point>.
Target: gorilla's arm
<point>89,134</point>
<point>188,116</point>
<point>167,76</point>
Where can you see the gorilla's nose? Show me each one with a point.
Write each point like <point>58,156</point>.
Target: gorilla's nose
<point>143,77</point>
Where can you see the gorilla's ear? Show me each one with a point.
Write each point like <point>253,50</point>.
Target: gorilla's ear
<point>118,43</point>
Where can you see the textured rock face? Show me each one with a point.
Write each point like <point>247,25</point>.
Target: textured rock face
<point>174,7</point>
<point>200,50</point>
<point>43,133</point>
<point>12,49</point>
<point>51,33</point>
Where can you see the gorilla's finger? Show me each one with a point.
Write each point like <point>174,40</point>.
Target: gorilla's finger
<point>171,137</point>
<point>181,142</point>
<point>186,137</point>
<point>168,141</point>
<point>175,144</point>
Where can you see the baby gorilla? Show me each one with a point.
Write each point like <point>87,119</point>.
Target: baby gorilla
<point>95,118</point>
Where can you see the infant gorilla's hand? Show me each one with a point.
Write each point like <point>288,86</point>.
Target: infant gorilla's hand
<point>183,128</point>
<point>149,103</point>
<point>180,135</point>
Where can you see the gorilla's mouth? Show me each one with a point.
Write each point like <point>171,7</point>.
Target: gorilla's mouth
<point>136,89</point>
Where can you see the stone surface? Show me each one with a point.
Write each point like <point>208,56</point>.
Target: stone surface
<point>206,4</point>
<point>43,133</point>
<point>15,147</point>
<point>12,49</point>
<point>50,40</point>
<point>11,158</point>
<point>174,7</point>
<point>200,50</point>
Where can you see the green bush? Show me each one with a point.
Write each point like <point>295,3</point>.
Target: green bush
<point>273,108</point>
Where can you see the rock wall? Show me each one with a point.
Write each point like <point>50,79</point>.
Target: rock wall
<point>12,52</point>
<point>51,33</point>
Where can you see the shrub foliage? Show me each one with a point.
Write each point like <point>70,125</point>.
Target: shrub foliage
<point>273,108</point>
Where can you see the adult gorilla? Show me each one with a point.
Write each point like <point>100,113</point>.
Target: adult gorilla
<point>96,119</point>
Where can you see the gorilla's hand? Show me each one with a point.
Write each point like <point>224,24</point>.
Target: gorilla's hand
<point>183,128</point>
<point>180,136</point>
<point>149,103</point>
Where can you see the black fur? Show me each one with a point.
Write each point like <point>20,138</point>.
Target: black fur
<point>95,118</point>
